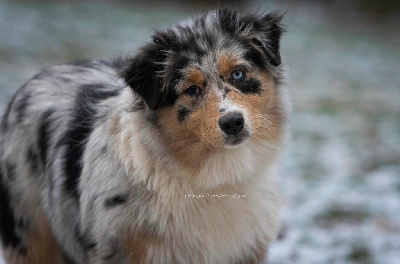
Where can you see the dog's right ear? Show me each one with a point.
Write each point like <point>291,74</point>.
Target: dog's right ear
<point>263,31</point>
<point>144,73</point>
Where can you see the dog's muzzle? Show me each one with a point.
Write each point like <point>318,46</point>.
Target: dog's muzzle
<point>232,124</point>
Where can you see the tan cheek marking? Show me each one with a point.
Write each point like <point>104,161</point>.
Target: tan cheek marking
<point>263,109</point>
<point>192,142</point>
<point>226,64</point>
<point>183,143</point>
<point>205,121</point>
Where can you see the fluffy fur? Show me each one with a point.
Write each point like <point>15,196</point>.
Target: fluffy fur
<point>167,157</point>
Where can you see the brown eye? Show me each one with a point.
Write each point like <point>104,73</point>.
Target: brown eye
<point>192,90</point>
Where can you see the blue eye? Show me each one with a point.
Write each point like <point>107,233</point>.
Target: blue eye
<point>237,75</point>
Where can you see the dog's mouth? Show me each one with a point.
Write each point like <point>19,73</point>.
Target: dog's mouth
<point>236,140</point>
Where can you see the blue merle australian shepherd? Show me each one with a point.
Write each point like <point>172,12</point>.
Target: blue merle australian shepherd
<point>166,157</point>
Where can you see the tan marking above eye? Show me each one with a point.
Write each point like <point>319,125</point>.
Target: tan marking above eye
<point>195,76</point>
<point>226,64</point>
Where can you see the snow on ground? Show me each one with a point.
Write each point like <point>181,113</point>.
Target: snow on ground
<point>334,200</point>
<point>341,177</point>
<point>342,182</point>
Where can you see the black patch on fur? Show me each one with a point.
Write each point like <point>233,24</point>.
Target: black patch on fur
<point>7,222</point>
<point>183,113</point>
<point>250,86</point>
<point>274,60</point>
<point>254,56</point>
<point>116,200</point>
<point>226,91</point>
<point>228,21</point>
<point>80,127</point>
<point>180,62</point>
<point>174,76</point>
<point>33,159</point>
<point>269,31</point>
<point>171,97</point>
<point>84,240</point>
<point>44,135</point>
<point>142,73</point>
<point>22,223</point>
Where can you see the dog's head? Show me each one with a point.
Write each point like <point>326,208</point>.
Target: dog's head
<point>212,81</point>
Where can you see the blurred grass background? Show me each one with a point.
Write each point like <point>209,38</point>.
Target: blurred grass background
<point>341,177</point>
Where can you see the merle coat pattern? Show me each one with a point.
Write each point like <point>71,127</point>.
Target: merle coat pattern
<point>98,157</point>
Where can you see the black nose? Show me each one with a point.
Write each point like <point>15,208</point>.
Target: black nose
<point>231,123</point>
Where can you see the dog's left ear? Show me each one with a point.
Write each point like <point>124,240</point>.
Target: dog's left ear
<point>265,33</point>
<point>144,73</point>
